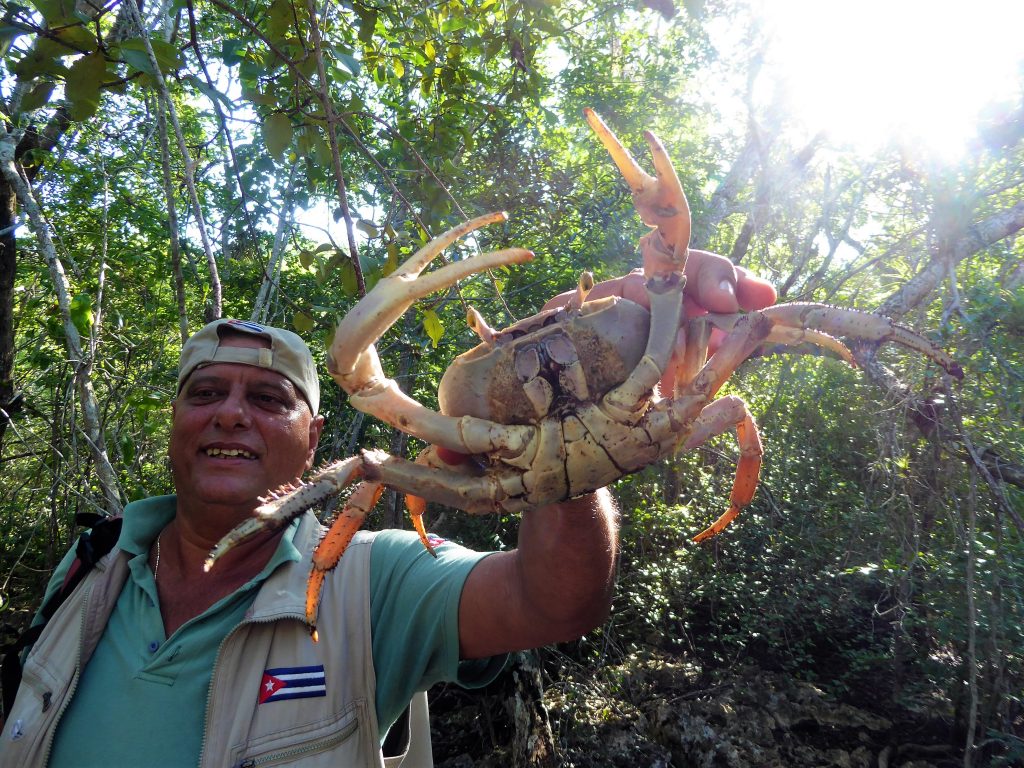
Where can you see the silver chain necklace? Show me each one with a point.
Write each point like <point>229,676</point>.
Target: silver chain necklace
<point>156,565</point>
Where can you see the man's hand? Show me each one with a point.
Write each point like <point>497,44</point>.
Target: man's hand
<point>713,284</point>
<point>557,584</point>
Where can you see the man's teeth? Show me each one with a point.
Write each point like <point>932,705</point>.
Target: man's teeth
<point>230,452</point>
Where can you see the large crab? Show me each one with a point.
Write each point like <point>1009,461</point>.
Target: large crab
<point>561,403</point>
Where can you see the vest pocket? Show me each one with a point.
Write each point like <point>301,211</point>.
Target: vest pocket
<point>333,743</point>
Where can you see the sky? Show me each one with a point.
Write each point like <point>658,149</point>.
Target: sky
<point>873,69</point>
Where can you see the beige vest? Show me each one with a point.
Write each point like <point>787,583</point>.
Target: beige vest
<point>339,729</point>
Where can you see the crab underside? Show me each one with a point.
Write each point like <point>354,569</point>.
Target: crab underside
<point>561,403</point>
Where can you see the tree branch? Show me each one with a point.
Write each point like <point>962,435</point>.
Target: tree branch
<point>978,237</point>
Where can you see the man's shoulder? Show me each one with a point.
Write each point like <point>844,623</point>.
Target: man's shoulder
<point>395,542</point>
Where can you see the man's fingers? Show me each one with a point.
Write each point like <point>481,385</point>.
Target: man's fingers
<point>719,286</point>
<point>713,284</point>
<point>754,292</point>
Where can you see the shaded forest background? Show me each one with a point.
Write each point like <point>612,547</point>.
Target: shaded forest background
<point>166,164</point>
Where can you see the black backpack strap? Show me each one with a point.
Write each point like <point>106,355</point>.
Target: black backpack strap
<point>93,544</point>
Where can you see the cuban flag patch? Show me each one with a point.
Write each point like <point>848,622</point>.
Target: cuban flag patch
<point>285,683</point>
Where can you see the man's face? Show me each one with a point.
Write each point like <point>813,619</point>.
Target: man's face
<point>238,432</point>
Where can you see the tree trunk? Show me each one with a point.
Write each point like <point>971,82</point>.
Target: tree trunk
<point>533,745</point>
<point>8,267</point>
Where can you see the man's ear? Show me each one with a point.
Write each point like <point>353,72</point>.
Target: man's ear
<point>316,428</point>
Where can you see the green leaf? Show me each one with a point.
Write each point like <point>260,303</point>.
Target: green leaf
<point>321,149</point>
<point>305,258</point>
<point>347,273</point>
<point>81,313</point>
<point>44,58</point>
<point>432,325</point>
<point>454,25</point>
<point>277,133</point>
<point>77,37</point>
<point>392,262</point>
<point>348,62</point>
<point>37,97</point>
<point>355,104</point>
<point>148,401</point>
<point>210,92</point>
<point>367,23</point>
<point>82,87</point>
<point>230,51</point>
<point>256,97</point>
<point>56,12</point>
<point>303,323</point>
<point>304,137</point>
<point>279,19</point>
<point>133,52</point>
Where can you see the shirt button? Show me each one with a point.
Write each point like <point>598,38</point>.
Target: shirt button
<point>153,646</point>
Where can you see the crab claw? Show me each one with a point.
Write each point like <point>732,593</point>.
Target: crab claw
<point>351,360</point>
<point>659,199</point>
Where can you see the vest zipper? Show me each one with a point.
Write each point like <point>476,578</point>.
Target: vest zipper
<point>216,665</point>
<point>87,593</point>
<point>311,748</point>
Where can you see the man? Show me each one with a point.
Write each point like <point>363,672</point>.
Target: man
<point>154,662</point>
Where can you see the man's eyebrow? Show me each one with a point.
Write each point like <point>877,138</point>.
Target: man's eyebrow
<point>279,383</point>
<point>198,379</point>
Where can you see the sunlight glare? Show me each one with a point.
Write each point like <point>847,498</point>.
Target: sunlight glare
<point>875,70</point>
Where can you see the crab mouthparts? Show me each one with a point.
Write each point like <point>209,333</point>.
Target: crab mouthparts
<point>230,452</point>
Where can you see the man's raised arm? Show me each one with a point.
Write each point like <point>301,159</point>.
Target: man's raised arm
<point>556,586</point>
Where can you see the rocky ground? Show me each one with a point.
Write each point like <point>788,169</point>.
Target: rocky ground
<point>653,712</point>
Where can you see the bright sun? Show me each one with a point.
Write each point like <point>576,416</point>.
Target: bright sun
<point>870,70</point>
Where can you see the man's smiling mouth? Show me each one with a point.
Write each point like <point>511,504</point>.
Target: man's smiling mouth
<point>230,453</point>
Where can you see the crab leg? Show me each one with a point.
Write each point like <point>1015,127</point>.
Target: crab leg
<point>465,434</point>
<point>333,545</point>
<point>696,336</point>
<point>628,400</point>
<point>417,505</point>
<point>789,335</point>
<point>483,494</point>
<point>286,503</point>
<point>861,325</point>
<point>749,332</point>
<point>714,420</point>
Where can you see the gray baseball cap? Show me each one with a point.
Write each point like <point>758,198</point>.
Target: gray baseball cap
<point>288,355</point>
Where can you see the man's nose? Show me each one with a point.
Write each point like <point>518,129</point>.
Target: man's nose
<point>233,411</point>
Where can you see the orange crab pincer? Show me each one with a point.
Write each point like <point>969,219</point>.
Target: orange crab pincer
<point>561,403</point>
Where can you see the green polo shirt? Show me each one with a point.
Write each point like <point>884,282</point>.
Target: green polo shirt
<point>141,699</point>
